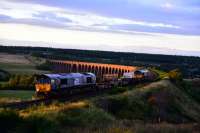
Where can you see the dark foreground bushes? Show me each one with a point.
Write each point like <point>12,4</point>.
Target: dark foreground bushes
<point>11,121</point>
<point>53,121</point>
<point>124,107</point>
<point>90,117</point>
<point>81,120</point>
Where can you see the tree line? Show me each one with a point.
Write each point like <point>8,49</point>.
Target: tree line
<point>189,65</point>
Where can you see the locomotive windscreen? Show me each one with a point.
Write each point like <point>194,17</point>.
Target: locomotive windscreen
<point>42,80</point>
<point>63,81</point>
<point>89,80</point>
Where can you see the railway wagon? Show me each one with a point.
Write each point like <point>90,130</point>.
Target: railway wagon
<point>111,79</point>
<point>54,83</point>
<point>144,74</point>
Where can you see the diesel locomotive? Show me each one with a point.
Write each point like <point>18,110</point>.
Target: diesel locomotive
<point>54,83</point>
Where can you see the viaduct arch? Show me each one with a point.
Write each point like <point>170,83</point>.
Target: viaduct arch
<point>98,68</point>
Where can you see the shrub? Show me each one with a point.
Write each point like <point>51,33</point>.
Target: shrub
<point>125,107</point>
<point>84,117</point>
<point>116,90</point>
<point>4,75</point>
<point>175,75</point>
<point>37,124</point>
<point>19,82</point>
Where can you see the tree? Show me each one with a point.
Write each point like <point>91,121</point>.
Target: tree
<point>175,75</point>
<point>14,80</point>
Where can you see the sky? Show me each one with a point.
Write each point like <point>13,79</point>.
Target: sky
<point>142,26</point>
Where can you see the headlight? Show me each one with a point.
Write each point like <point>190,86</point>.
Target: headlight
<point>37,89</point>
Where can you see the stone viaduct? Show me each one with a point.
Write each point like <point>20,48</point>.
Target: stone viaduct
<point>97,68</point>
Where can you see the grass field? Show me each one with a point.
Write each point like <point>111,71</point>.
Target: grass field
<point>19,64</point>
<point>16,94</point>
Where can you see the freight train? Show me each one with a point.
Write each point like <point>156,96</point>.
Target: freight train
<point>68,82</point>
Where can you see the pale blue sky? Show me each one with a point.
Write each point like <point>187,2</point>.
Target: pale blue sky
<point>171,24</point>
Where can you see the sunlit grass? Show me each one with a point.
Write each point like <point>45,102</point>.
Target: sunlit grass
<point>8,100</point>
<point>161,74</point>
<point>54,107</point>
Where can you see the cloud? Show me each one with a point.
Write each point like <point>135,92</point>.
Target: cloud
<point>98,40</point>
<point>92,19</point>
<point>167,5</point>
<point>24,10</point>
<point>68,17</point>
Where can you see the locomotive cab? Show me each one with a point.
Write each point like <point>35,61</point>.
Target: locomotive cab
<point>44,84</point>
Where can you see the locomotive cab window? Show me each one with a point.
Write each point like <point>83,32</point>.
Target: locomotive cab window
<point>43,81</point>
<point>89,80</point>
<point>63,81</point>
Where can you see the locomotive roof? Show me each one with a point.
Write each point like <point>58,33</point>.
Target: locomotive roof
<point>66,75</point>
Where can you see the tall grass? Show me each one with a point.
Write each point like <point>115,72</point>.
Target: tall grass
<point>79,117</point>
<point>161,74</point>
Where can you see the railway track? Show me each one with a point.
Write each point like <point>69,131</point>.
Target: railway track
<point>63,98</point>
